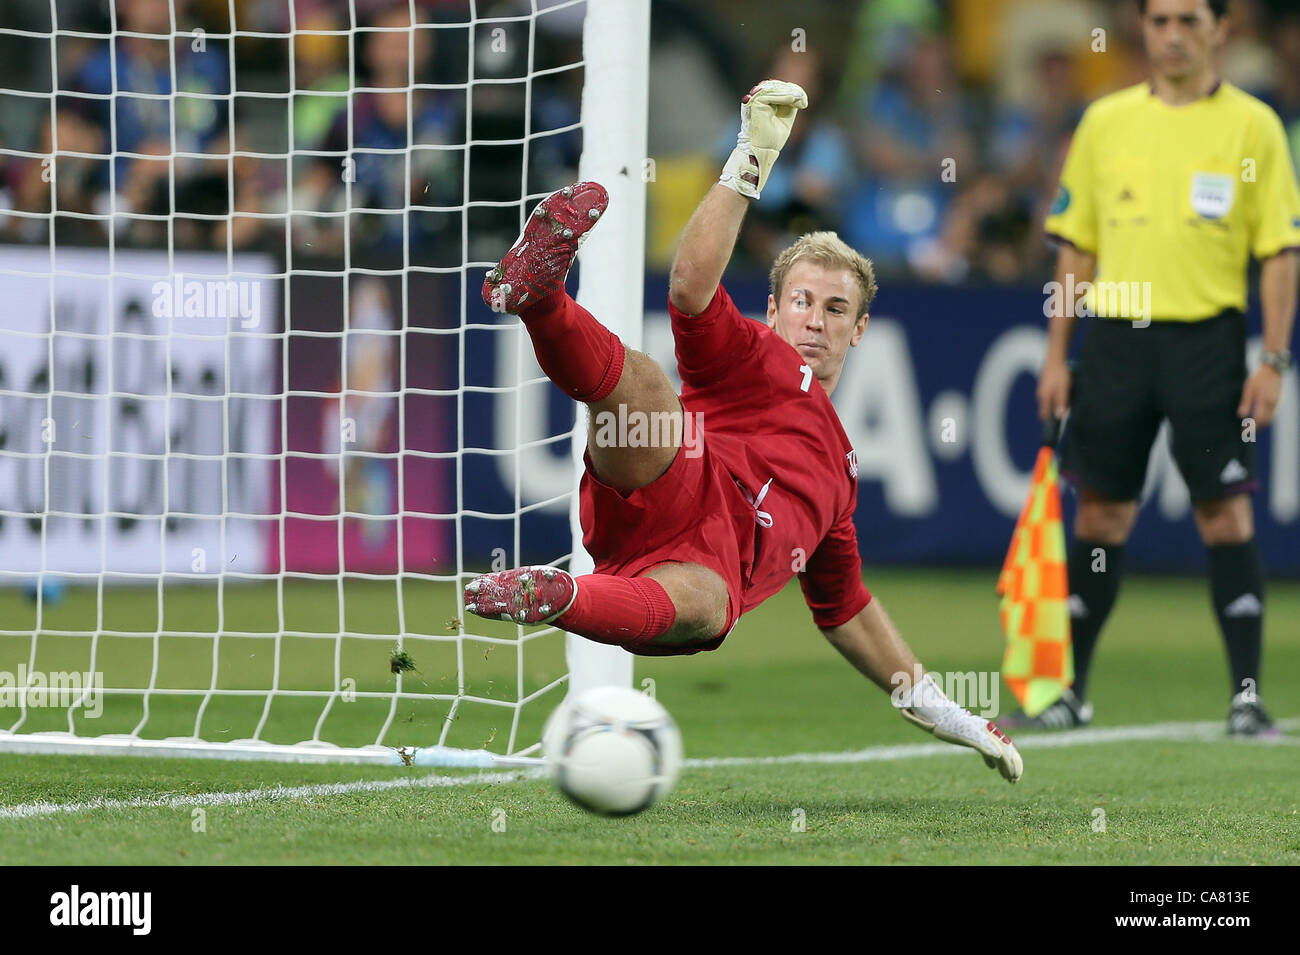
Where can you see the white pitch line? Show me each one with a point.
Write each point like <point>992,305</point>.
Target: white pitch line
<point>241,796</point>
<point>1202,731</point>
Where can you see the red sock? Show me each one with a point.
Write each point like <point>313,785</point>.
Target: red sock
<point>578,353</point>
<point>624,611</point>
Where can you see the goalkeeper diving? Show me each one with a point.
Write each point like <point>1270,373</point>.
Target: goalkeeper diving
<point>691,533</point>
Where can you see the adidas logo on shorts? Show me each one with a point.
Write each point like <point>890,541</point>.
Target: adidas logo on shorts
<point>1233,472</point>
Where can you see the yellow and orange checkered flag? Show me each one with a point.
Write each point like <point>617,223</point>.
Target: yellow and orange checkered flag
<point>1037,664</point>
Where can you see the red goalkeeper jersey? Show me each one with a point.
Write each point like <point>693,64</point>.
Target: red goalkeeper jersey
<point>765,493</point>
<point>772,425</point>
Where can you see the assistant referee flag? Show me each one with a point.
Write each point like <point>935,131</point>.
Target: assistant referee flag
<point>1037,665</point>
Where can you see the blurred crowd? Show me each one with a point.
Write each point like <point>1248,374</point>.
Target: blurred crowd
<point>345,143</point>
<point>936,130</point>
<point>932,141</point>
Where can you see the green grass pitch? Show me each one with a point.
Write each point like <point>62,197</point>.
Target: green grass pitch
<point>775,688</point>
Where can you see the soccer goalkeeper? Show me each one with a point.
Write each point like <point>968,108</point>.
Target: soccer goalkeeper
<point>687,537</point>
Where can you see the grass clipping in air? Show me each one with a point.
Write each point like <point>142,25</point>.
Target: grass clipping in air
<point>399,661</point>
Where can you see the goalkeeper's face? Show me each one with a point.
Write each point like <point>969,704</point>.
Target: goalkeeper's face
<point>819,313</point>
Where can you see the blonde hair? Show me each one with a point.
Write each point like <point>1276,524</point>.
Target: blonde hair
<point>830,252</point>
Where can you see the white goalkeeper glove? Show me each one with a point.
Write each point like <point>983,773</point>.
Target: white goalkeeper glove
<point>926,706</point>
<point>766,116</point>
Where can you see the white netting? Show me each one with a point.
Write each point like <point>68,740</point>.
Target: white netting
<point>258,429</point>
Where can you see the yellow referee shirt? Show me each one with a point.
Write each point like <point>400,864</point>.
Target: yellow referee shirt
<point>1173,199</point>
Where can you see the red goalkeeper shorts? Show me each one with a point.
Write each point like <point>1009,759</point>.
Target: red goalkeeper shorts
<point>692,513</point>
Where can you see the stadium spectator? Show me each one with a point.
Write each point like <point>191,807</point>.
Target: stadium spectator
<point>1021,31</point>
<point>987,230</point>
<point>985,236</point>
<point>75,183</point>
<point>369,144</point>
<point>1022,130</point>
<point>881,29</point>
<point>142,82</point>
<point>259,188</point>
<point>502,121</point>
<point>908,129</point>
<point>320,66</point>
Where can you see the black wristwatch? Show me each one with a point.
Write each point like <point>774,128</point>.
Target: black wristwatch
<point>1279,361</point>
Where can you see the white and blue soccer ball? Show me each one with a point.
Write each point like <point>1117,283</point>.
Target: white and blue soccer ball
<point>613,750</point>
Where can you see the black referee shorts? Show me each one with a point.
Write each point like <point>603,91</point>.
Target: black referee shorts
<point>1129,378</point>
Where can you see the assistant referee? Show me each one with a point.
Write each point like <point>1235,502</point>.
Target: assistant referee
<point>1168,188</point>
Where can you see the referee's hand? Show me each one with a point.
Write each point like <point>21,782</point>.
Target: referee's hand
<point>1053,390</point>
<point>1260,396</point>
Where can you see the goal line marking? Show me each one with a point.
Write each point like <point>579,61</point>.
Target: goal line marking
<point>1199,731</point>
<point>1206,731</point>
<point>245,796</point>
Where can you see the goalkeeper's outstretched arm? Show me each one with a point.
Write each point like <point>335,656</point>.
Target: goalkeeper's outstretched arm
<point>705,249</point>
<point>767,114</point>
<point>871,643</point>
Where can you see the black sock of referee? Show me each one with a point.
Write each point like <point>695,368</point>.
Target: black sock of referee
<point>1094,570</point>
<point>1237,589</point>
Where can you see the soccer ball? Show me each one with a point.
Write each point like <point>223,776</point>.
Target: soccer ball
<point>612,750</point>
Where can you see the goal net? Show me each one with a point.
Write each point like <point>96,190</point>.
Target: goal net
<point>257,429</point>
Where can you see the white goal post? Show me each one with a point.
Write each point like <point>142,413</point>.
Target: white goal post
<point>616,49</point>
<point>197,556</point>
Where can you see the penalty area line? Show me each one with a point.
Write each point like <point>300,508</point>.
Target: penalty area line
<point>1198,732</point>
